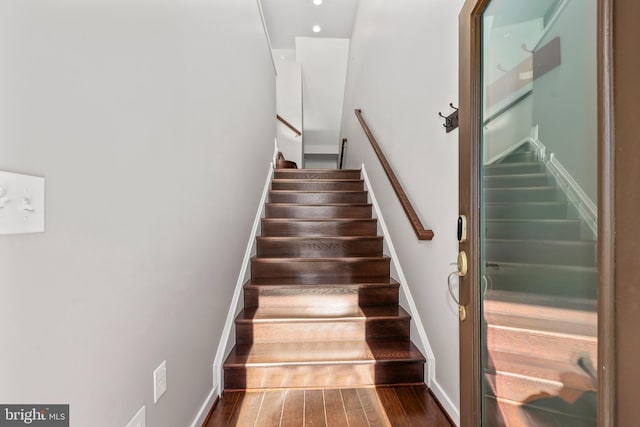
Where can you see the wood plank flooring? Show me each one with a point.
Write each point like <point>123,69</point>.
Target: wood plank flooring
<point>411,406</point>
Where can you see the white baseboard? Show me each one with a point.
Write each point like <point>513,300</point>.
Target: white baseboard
<point>446,402</point>
<point>205,409</point>
<point>275,153</point>
<point>423,344</point>
<point>227,339</point>
<point>587,209</point>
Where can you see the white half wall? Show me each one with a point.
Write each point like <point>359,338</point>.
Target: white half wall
<point>324,69</point>
<point>152,122</point>
<point>289,104</point>
<point>403,68</point>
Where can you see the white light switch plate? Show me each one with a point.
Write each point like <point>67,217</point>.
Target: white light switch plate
<point>139,419</point>
<point>21,203</point>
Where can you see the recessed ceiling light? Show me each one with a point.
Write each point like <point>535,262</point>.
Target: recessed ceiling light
<point>316,28</point>
<point>317,2</point>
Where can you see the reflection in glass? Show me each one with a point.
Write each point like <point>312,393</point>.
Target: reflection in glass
<point>539,213</point>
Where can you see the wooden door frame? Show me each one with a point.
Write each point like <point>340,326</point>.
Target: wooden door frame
<point>618,204</point>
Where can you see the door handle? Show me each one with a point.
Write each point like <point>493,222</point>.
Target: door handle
<point>462,311</point>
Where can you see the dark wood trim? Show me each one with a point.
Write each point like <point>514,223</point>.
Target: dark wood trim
<point>444,411</point>
<point>213,408</point>
<point>419,229</point>
<point>618,199</point>
<point>606,220</point>
<point>469,173</point>
<point>623,269</point>
<point>289,125</point>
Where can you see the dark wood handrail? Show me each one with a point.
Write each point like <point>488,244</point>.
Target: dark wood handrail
<point>289,125</point>
<point>421,233</point>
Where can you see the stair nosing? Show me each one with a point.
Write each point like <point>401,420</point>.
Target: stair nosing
<point>320,259</point>
<point>289,204</point>
<point>402,315</point>
<point>553,266</point>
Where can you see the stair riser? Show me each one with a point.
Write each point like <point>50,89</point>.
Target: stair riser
<point>539,230</point>
<point>318,247</point>
<point>520,415</point>
<point>543,194</point>
<point>332,330</point>
<point>579,313</point>
<point>514,169</point>
<point>300,211</point>
<point>520,389</point>
<point>533,252</point>
<point>509,181</point>
<point>320,297</point>
<point>579,284</point>
<point>301,185</point>
<point>538,344</point>
<point>320,228</point>
<point>521,157</point>
<point>570,375</point>
<point>312,273</point>
<point>530,211</point>
<point>311,198</point>
<point>317,174</point>
<point>323,376</point>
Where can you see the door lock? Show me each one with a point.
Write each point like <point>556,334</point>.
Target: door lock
<point>463,265</point>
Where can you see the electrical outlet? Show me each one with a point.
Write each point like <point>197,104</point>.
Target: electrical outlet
<point>139,419</point>
<point>159,381</point>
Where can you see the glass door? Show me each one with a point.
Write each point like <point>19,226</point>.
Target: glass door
<point>538,213</point>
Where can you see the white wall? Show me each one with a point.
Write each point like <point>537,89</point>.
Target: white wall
<point>402,71</point>
<point>324,68</point>
<point>565,99</point>
<point>289,104</point>
<point>136,112</point>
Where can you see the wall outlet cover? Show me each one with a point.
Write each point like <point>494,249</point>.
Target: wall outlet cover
<point>159,381</point>
<point>139,419</point>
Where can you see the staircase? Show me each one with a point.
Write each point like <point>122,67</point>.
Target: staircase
<point>321,309</point>
<point>540,302</point>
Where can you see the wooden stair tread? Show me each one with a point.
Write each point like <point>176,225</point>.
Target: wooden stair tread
<point>318,238</point>
<point>544,266</point>
<point>323,353</point>
<point>585,331</point>
<point>277,180</point>
<point>273,284</point>
<point>317,191</point>
<point>345,260</point>
<point>317,205</point>
<point>545,241</point>
<point>502,301</point>
<point>320,314</point>
<point>318,220</point>
<point>535,203</point>
<point>507,165</point>
<point>524,175</point>
<point>318,170</point>
<point>569,373</point>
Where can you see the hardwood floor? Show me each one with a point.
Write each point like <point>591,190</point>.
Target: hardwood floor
<point>405,406</point>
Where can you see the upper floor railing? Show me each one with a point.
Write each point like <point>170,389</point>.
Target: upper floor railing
<point>289,125</point>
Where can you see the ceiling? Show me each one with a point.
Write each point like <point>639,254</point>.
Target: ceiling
<point>287,19</point>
